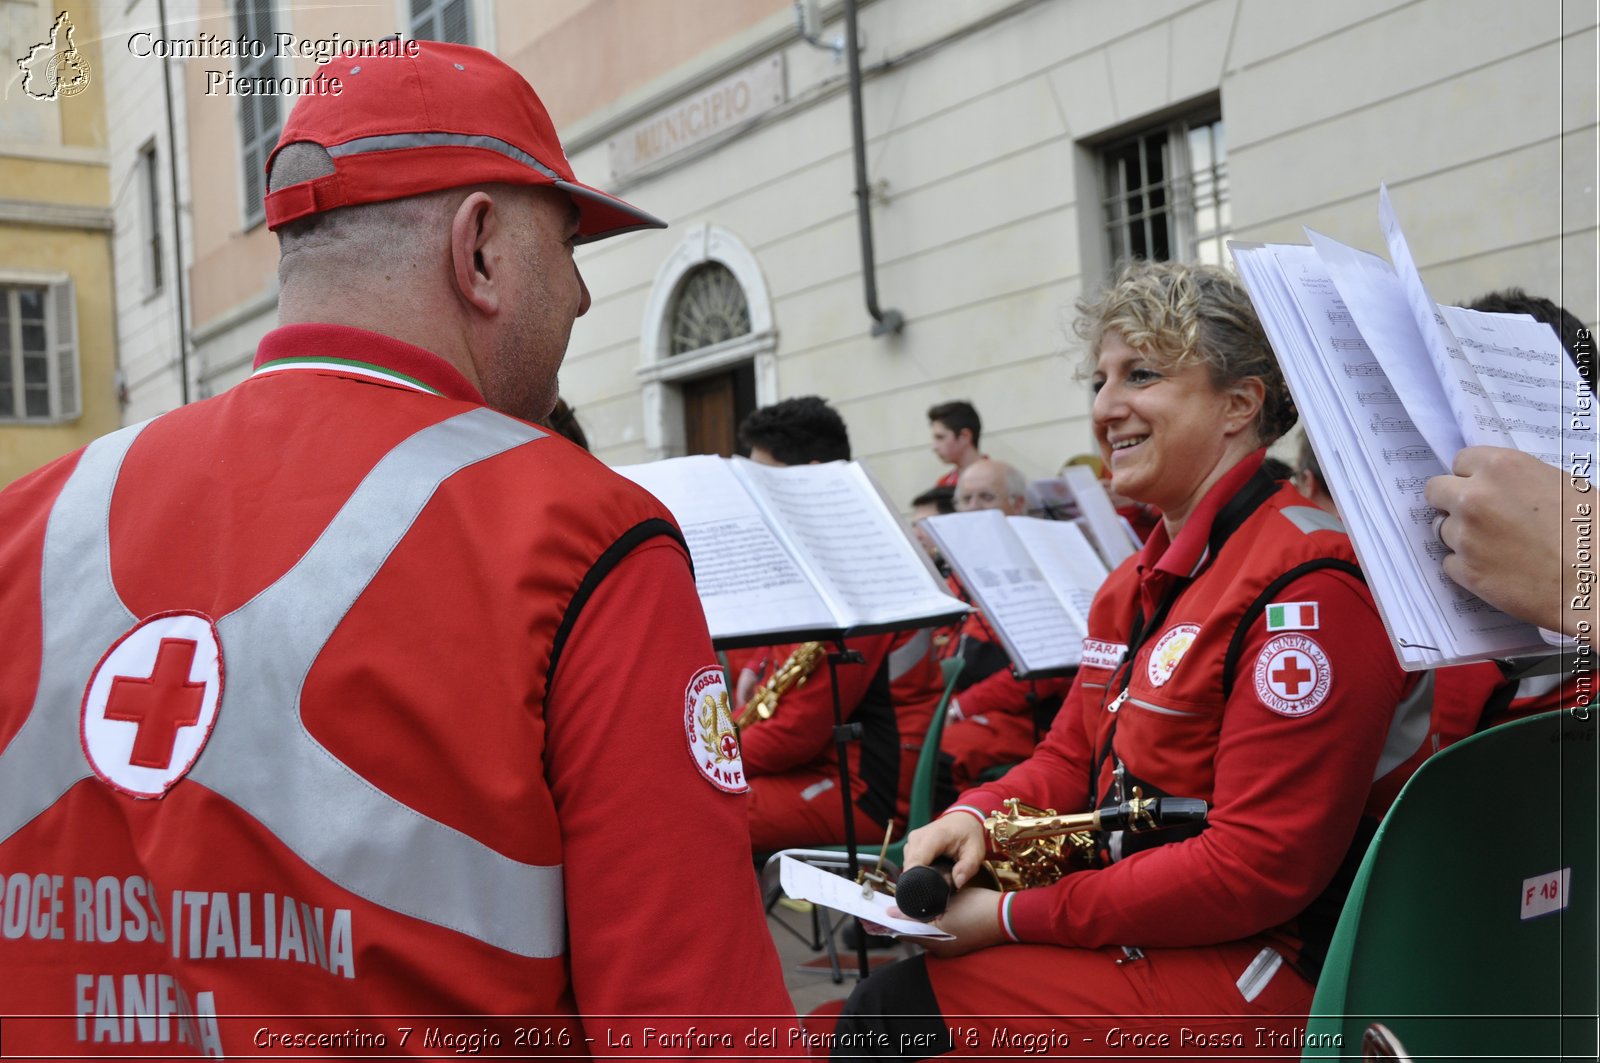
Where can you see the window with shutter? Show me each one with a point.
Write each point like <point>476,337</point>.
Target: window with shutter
<point>39,379</point>
<point>260,119</point>
<point>442,20</point>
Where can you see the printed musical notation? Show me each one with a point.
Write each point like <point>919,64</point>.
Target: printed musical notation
<point>1341,317</point>
<point>1548,431</point>
<point>1435,549</point>
<point>1542,357</point>
<point>1385,397</point>
<point>1423,514</point>
<point>1418,452</point>
<point>1514,398</point>
<point>1472,387</point>
<point>1363,369</point>
<point>1411,484</point>
<point>1490,423</point>
<point>1466,606</point>
<point>1341,343</point>
<point>1393,424</point>
<point>1514,376</point>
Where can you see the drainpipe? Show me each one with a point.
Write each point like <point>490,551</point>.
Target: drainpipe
<point>884,322</point>
<point>177,233</point>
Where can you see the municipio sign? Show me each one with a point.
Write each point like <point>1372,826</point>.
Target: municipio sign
<point>715,109</point>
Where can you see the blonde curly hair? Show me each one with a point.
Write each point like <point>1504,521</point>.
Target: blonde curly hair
<point>1180,315</point>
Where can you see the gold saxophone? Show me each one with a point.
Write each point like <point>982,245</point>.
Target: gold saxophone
<point>1036,846</point>
<point>793,673</point>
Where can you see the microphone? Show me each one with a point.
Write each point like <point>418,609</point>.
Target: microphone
<point>923,892</point>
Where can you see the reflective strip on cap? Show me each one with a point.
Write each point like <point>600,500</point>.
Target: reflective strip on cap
<point>404,141</point>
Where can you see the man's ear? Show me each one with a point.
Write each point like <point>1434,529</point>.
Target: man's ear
<point>475,272</point>
<point>1243,401</point>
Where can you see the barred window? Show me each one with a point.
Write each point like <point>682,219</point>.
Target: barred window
<point>442,20</point>
<point>260,119</point>
<point>711,307</point>
<point>1167,193</point>
<point>38,353</point>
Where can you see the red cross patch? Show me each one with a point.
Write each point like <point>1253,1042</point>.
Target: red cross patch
<point>151,703</point>
<point>1293,676</point>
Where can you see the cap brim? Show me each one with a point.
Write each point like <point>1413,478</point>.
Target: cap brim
<point>601,215</point>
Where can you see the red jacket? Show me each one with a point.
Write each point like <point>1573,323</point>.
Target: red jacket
<point>1286,758</point>
<point>337,695</point>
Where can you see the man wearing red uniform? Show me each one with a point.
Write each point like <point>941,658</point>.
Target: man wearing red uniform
<point>332,700</point>
<point>994,717</point>
<point>954,428</point>
<point>792,758</point>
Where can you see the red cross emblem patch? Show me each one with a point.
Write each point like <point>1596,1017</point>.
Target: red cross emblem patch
<point>1293,676</point>
<point>151,703</point>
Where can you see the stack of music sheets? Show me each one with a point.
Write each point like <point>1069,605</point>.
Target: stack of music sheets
<point>798,553</point>
<point>1390,386</point>
<point>1034,580</point>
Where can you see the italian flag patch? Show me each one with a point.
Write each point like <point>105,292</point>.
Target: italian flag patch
<point>1292,616</point>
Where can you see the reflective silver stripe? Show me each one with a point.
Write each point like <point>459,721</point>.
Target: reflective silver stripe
<point>1413,719</point>
<point>401,141</point>
<point>1311,519</point>
<point>1162,709</point>
<point>906,657</point>
<point>348,830</point>
<point>1259,973</point>
<point>81,617</point>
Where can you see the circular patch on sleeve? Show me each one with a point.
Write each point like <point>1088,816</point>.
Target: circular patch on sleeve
<point>1293,675</point>
<point>151,703</point>
<point>1169,650</point>
<point>713,742</point>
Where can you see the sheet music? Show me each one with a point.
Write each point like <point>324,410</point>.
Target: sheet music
<point>804,882</point>
<point>1067,561</point>
<point>747,579</point>
<point>850,541</point>
<point>1530,379</point>
<point>1377,316</point>
<point>1479,421</point>
<point>1038,631</point>
<point>1105,528</point>
<point>1376,457</point>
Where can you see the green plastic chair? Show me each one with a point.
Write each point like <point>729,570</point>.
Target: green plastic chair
<point>1470,930</point>
<point>870,854</point>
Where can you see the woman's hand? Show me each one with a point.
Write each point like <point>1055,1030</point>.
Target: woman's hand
<point>958,835</point>
<point>974,918</point>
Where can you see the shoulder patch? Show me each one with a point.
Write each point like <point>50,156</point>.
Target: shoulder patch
<point>1168,651</point>
<point>1293,675</point>
<point>151,703</point>
<point>1292,616</point>
<point>1098,653</point>
<point>713,742</point>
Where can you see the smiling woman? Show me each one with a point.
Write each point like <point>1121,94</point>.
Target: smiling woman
<point>1185,383</point>
<point>1238,659</point>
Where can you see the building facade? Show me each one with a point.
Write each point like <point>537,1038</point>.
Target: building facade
<point>57,340</point>
<point>1014,150</point>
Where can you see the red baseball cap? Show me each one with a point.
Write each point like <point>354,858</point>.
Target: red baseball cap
<point>430,116</point>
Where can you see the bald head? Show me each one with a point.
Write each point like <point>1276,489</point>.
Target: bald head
<point>990,484</point>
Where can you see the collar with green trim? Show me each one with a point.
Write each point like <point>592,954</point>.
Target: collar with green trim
<point>357,352</point>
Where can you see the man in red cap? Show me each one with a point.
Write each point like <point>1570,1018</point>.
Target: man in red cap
<point>350,697</point>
